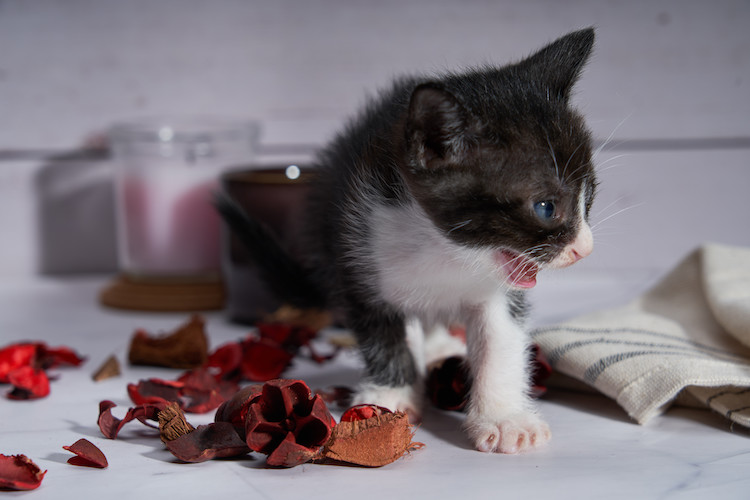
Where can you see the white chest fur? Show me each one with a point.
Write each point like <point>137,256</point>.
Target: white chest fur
<point>420,269</point>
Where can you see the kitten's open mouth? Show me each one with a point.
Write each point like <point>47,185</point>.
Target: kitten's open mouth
<point>521,271</point>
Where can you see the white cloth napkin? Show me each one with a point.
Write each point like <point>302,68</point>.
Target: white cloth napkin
<point>689,334</point>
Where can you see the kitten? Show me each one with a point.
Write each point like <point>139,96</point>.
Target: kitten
<point>437,205</point>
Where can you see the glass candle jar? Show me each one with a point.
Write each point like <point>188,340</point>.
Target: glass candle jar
<point>167,171</point>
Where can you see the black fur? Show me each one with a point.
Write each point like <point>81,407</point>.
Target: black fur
<point>481,146</point>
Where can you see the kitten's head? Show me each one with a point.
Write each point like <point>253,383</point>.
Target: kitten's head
<point>499,160</point>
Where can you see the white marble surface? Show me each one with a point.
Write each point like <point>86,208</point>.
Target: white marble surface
<point>596,451</point>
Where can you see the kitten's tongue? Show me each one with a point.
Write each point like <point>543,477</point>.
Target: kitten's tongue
<point>520,270</point>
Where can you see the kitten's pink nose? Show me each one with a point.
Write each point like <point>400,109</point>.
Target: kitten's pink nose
<point>575,256</point>
<point>580,248</point>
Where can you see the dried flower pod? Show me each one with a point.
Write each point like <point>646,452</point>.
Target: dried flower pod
<point>186,347</point>
<point>448,383</point>
<point>287,423</point>
<point>206,442</point>
<point>234,409</point>
<point>109,369</point>
<point>87,454</point>
<point>18,472</point>
<point>111,425</point>
<point>371,436</point>
<point>172,423</point>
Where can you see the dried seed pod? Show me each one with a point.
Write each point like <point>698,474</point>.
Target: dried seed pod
<point>172,423</point>
<point>378,440</point>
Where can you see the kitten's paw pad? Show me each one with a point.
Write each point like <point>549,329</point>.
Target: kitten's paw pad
<point>402,399</point>
<point>514,434</point>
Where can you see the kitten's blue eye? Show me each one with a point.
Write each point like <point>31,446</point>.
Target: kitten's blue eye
<point>545,210</point>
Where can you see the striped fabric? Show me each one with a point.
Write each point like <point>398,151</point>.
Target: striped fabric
<point>689,334</point>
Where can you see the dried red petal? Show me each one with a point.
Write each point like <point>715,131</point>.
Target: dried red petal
<point>51,357</point>
<point>196,391</point>
<point>448,384</point>
<point>363,412</point>
<point>541,371</point>
<point>217,440</point>
<point>28,383</point>
<point>234,409</point>
<point>18,472</point>
<point>15,356</point>
<point>226,360</point>
<point>155,390</point>
<point>286,422</point>
<point>289,453</point>
<point>264,360</point>
<point>111,425</point>
<point>87,454</point>
<point>276,332</point>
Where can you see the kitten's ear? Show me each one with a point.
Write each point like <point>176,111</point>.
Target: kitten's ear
<point>437,126</point>
<point>559,64</point>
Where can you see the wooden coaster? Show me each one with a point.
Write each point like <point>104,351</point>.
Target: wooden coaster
<point>163,296</point>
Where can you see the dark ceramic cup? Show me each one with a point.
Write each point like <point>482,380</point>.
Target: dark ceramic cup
<point>276,196</point>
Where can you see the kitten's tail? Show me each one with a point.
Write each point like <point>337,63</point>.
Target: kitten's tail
<point>289,281</point>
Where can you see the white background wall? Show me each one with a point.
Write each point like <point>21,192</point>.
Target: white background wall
<point>669,82</point>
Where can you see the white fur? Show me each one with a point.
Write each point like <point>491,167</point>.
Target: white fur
<point>583,244</point>
<point>440,344</point>
<point>406,399</point>
<point>434,282</point>
<point>415,262</point>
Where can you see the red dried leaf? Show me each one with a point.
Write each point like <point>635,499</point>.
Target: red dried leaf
<point>28,383</point>
<point>155,390</point>
<point>51,357</point>
<point>448,384</point>
<point>217,440</point>
<point>87,454</point>
<point>286,422</point>
<point>264,360</point>
<point>234,409</point>
<point>196,391</point>
<point>111,425</point>
<point>15,356</point>
<point>276,332</point>
<point>226,360</point>
<point>541,371</point>
<point>202,399</point>
<point>18,472</point>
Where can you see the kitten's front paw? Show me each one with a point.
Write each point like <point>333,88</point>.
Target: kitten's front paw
<point>512,434</point>
<point>404,399</point>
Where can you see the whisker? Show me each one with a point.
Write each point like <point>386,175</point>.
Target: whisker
<point>614,214</point>
<point>554,158</point>
<point>460,225</point>
<point>567,163</point>
<point>600,211</point>
<point>609,138</point>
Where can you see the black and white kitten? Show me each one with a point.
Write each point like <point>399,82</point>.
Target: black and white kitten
<point>438,205</point>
